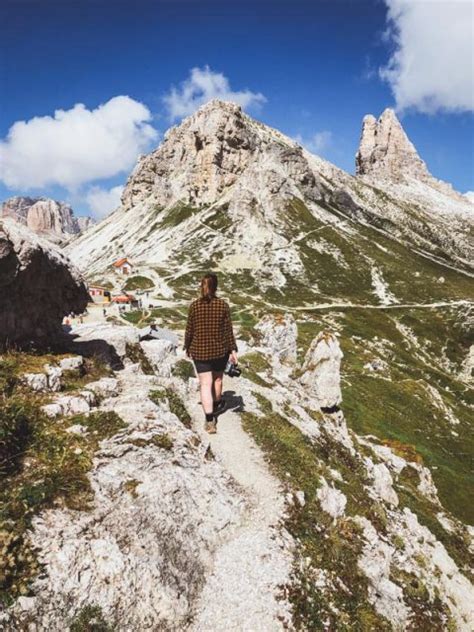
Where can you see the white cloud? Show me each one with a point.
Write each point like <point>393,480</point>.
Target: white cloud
<point>316,143</point>
<point>202,85</point>
<point>431,67</point>
<point>470,196</point>
<point>103,201</point>
<point>76,146</point>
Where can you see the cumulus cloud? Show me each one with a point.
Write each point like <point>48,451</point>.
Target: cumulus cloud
<point>202,85</point>
<point>431,68</point>
<point>317,143</point>
<point>76,146</point>
<point>102,201</point>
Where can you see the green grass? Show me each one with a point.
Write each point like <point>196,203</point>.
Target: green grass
<point>184,370</point>
<point>178,214</point>
<point>90,619</point>
<point>135,353</point>
<point>174,402</point>
<point>138,282</point>
<point>159,440</point>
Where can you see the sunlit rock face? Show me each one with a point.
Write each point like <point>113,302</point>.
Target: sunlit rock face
<point>46,217</point>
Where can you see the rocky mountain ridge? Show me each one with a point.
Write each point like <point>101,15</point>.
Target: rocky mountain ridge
<point>46,217</point>
<point>246,175</point>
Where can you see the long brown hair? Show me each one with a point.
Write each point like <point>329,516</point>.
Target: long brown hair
<point>208,286</point>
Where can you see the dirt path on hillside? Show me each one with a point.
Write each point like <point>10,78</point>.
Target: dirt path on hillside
<point>241,593</point>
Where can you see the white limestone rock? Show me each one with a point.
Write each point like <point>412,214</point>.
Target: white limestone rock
<point>332,500</point>
<point>161,355</point>
<point>375,563</point>
<point>105,387</point>
<point>321,370</point>
<point>69,405</point>
<point>36,381</point>
<point>278,337</point>
<point>73,363</point>
<point>54,374</point>
<point>382,482</point>
<point>115,337</point>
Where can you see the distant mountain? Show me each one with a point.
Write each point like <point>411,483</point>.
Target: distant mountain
<point>46,217</point>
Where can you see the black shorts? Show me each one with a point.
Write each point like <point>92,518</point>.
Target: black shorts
<point>214,364</point>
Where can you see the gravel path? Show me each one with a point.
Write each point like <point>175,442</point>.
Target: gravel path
<point>242,591</point>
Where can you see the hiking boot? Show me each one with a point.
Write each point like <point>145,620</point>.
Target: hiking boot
<point>211,427</point>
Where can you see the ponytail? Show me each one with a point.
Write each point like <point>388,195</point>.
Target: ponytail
<point>208,286</point>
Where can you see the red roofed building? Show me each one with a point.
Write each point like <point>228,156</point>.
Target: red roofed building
<point>123,266</point>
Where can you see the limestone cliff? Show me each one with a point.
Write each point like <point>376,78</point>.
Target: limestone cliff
<point>46,217</point>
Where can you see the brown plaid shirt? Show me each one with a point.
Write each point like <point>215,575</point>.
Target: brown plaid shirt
<point>209,331</point>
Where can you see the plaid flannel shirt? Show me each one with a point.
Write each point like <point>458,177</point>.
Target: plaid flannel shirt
<point>209,331</point>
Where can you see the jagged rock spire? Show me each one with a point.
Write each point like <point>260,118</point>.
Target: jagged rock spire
<point>386,151</point>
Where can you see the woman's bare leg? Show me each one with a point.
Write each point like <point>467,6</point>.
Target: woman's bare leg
<point>217,385</point>
<point>205,381</point>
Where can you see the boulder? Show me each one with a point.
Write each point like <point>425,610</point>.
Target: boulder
<point>160,354</point>
<point>278,336</point>
<point>73,363</point>
<point>116,338</point>
<point>39,286</point>
<point>321,370</point>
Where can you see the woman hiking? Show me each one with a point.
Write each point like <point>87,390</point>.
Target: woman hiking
<point>209,340</point>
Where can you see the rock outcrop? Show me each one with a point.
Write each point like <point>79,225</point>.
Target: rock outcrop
<point>46,217</point>
<point>39,286</point>
<point>386,154</point>
<point>321,370</point>
<point>279,334</point>
<point>386,151</point>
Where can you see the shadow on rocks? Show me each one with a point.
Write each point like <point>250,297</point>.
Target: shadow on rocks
<point>90,348</point>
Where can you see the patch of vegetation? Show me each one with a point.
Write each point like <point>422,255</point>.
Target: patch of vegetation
<point>253,364</point>
<point>135,353</point>
<point>138,282</point>
<point>183,369</point>
<point>92,369</point>
<point>101,283</point>
<point>428,613</point>
<point>159,440</point>
<point>90,619</point>
<point>175,404</point>
<point>179,213</point>
<point>131,486</point>
<point>43,465</point>
<point>457,543</point>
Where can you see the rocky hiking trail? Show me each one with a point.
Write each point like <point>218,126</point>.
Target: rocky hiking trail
<point>252,565</point>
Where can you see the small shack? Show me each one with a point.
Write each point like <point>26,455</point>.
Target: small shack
<point>99,294</point>
<point>123,266</point>
<point>125,299</point>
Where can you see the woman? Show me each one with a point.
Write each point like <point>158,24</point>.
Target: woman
<point>209,340</point>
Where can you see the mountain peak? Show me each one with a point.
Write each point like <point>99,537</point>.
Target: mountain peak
<point>385,151</point>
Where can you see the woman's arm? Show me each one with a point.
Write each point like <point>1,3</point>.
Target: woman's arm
<point>189,333</point>
<point>229,337</point>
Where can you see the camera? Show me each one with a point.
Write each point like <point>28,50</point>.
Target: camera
<point>232,370</point>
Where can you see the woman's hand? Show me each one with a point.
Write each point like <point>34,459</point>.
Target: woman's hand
<point>233,357</point>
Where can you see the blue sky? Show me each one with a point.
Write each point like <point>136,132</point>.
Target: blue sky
<point>312,70</point>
